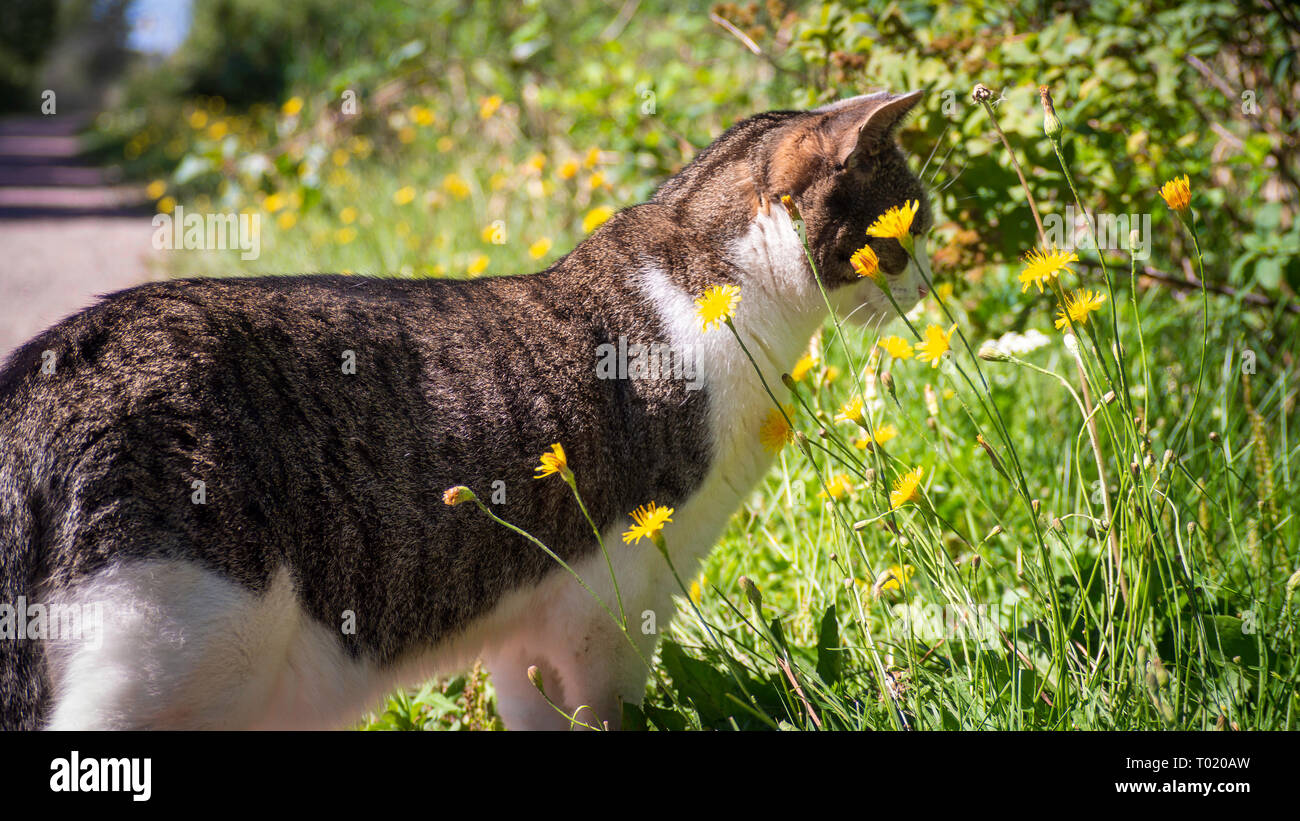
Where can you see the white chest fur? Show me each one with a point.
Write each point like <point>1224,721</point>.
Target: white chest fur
<point>779,309</point>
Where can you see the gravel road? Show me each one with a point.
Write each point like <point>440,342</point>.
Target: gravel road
<point>68,231</point>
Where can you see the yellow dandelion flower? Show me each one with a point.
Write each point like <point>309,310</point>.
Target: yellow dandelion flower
<point>596,180</point>
<point>273,202</point>
<point>292,106</point>
<point>806,363</point>
<point>339,157</point>
<point>404,195</point>
<point>936,343</point>
<point>717,305</point>
<point>568,170</point>
<point>896,223</point>
<point>156,189</point>
<point>837,488</point>
<point>540,248</point>
<point>695,591</point>
<point>1177,193</point>
<point>896,347</point>
<point>943,291</point>
<point>554,462</point>
<point>596,217</point>
<point>455,185</point>
<point>893,578</point>
<point>775,433</point>
<point>218,130</point>
<point>348,215</point>
<point>166,205</point>
<point>647,520</point>
<point>1079,304</point>
<point>905,488</point>
<point>478,265</point>
<point>286,220</point>
<point>345,235</point>
<point>850,411</point>
<point>1041,266</point>
<point>360,146</point>
<point>488,106</point>
<point>885,433</point>
<point>865,263</point>
<point>198,120</point>
<point>592,159</point>
<point>422,115</point>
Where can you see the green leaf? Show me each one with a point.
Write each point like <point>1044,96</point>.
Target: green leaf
<point>699,683</point>
<point>1229,641</point>
<point>634,718</point>
<point>829,657</point>
<point>667,720</point>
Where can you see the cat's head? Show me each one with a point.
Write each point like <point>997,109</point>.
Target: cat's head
<point>841,166</point>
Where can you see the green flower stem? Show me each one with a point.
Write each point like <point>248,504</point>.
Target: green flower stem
<point>572,482</point>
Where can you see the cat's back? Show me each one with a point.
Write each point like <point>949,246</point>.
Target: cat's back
<point>175,410</point>
<point>312,423</point>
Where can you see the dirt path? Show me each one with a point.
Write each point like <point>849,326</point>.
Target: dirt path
<point>68,231</point>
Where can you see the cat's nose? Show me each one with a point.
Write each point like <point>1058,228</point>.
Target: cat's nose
<point>921,291</point>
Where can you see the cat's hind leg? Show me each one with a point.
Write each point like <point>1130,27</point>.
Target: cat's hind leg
<point>177,646</point>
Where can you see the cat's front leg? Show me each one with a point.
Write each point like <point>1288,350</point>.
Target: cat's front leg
<point>587,665</point>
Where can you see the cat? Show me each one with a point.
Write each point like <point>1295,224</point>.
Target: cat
<point>244,477</point>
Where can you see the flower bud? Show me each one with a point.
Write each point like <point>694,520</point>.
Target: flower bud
<point>1071,343</point>
<point>993,456</point>
<point>453,496</point>
<point>751,592</point>
<point>990,352</point>
<point>1051,123</point>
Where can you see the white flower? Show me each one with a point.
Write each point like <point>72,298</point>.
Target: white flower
<point>1014,344</point>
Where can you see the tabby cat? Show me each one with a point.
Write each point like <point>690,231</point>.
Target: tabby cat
<point>240,481</point>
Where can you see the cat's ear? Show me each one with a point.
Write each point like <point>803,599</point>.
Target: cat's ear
<point>862,126</point>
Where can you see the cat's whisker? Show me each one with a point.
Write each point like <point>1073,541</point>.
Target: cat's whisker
<point>955,177</point>
<point>942,163</point>
<point>937,143</point>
